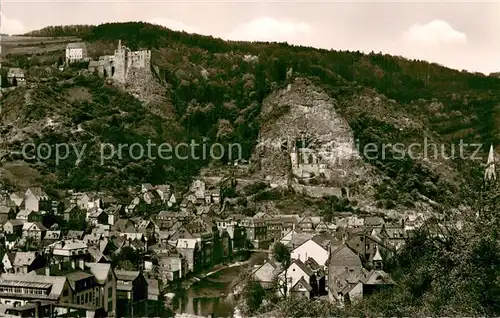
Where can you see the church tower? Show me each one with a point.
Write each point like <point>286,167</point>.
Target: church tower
<point>490,174</point>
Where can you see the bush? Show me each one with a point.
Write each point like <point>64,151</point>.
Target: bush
<point>253,295</point>
<point>281,253</point>
<point>242,201</point>
<point>254,188</point>
<point>229,193</point>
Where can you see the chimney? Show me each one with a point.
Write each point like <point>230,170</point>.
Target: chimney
<point>119,44</point>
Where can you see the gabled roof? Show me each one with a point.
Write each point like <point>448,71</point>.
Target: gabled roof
<point>295,238</point>
<point>348,287</point>
<point>38,193</point>
<point>301,283</point>
<point>99,270</point>
<point>122,224</point>
<point>344,256</point>
<point>23,258</point>
<point>311,240</point>
<point>15,222</point>
<point>303,267</point>
<point>76,45</point>
<point>312,264</point>
<point>5,210</point>
<point>52,235</point>
<point>15,71</point>
<point>24,214</point>
<point>377,277</point>
<point>76,276</point>
<point>305,219</point>
<point>97,255</point>
<point>34,225</point>
<point>69,244</point>
<point>114,209</point>
<point>70,208</point>
<point>324,240</point>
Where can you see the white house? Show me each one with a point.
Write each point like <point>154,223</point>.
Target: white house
<point>15,76</point>
<point>146,187</point>
<point>293,274</point>
<point>76,52</point>
<point>172,201</point>
<point>37,200</point>
<point>68,248</point>
<point>198,189</point>
<point>310,249</point>
<point>88,201</point>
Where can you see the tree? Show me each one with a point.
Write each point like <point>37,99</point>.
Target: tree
<point>253,294</point>
<point>281,253</point>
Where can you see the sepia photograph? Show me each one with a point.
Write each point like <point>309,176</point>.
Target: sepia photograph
<point>249,158</point>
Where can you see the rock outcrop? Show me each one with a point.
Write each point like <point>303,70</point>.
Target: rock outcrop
<point>304,140</point>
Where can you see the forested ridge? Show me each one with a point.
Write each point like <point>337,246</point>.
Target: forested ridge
<point>225,104</point>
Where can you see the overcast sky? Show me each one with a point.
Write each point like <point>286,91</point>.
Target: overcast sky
<point>457,34</point>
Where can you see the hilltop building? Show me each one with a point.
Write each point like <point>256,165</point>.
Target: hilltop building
<point>15,77</point>
<point>122,63</point>
<point>76,52</point>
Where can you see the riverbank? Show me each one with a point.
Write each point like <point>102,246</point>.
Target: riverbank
<point>213,292</point>
<point>187,283</point>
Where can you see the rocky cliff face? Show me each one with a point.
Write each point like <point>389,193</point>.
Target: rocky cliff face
<point>303,140</point>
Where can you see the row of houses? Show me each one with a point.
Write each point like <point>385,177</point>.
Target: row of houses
<point>325,266</point>
<point>173,241</point>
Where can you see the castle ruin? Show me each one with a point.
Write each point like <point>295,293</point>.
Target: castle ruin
<point>122,63</point>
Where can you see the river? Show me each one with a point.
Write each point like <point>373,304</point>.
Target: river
<point>209,295</point>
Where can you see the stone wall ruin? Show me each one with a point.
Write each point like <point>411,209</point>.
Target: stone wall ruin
<point>122,64</point>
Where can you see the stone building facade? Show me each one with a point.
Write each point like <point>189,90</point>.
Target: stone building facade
<point>122,64</point>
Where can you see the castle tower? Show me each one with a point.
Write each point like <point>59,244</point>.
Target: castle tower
<point>490,173</point>
<point>120,63</point>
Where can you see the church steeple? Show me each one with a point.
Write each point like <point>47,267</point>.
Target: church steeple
<point>490,173</point>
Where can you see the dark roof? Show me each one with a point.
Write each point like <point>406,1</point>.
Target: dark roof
<point>312,264</point>
<point>303,267</point>
<point>344,256</point>
<point>78,275</point>
<point>126,275</point>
